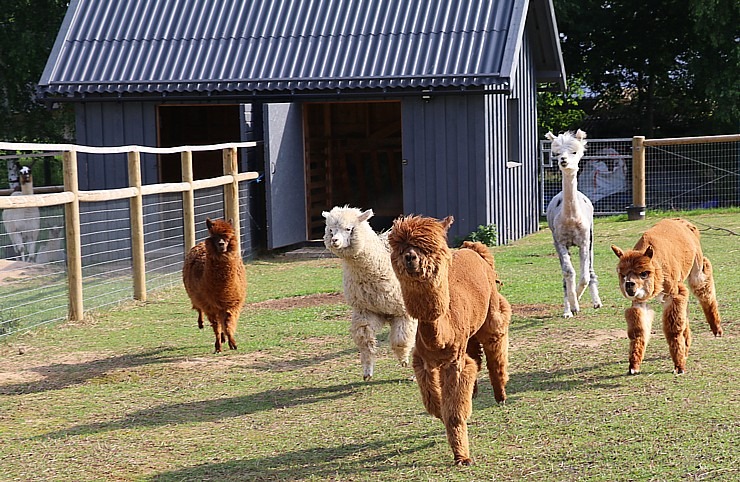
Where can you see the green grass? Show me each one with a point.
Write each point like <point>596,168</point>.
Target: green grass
<point>136,394</point>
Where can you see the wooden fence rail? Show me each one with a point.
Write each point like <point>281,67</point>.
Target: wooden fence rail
<point>71,198</point>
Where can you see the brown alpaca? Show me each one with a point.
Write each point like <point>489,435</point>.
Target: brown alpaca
<point>460,311</point>
<point>216,282</point>
<point>666,255</point>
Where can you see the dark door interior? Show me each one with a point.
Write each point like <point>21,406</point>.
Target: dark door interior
<point>196,125</point>
<point>353,156</point>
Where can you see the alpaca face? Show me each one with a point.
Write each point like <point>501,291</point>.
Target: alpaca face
<point>221,235</point>
<point>25,175</point>
<point>419,246</point>
<point>567,149</point>
<point>342,225</point>
<point>636,274</point>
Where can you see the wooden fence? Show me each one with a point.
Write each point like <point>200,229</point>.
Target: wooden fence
<point>71,198</point>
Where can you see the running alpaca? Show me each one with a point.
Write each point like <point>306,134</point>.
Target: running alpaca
<point>370,286</point>
<point>461,314</point>
<point>570,216</point>
<point>23,224</point>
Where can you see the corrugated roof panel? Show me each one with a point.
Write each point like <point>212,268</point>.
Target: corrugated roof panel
<point>267,45</point>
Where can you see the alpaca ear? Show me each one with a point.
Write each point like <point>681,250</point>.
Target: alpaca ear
<point>209,223</point>
<point>231,221</point>
<point>580,135</point>
<point>447,222</point>
<point>649,251</point>
<point>617,251</point>
<point>365,215</point>
<point>325,214</point>
<point>550,135</point>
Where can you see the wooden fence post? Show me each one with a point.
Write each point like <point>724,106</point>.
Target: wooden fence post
<point>72,230</point>
<point>188,200</point>
<point>137,226</point>
<point>637,210</point>
<point>231,192</point>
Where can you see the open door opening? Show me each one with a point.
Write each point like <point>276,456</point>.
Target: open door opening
<point>353,156</point>
<point>181,125</point>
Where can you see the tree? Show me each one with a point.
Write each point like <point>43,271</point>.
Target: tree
<point>28,29</point>
<point>653,62</point>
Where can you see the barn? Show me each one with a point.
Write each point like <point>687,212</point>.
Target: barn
<point>419,106</point>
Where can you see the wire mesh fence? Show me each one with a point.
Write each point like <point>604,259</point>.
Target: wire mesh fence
<point>34,274</point>
<point>605,175</point>
<point>681,175</point>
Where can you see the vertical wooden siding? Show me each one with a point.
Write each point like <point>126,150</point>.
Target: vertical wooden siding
<point>444,151</point>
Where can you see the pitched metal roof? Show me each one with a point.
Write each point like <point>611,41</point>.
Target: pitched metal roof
<point>154,47</point>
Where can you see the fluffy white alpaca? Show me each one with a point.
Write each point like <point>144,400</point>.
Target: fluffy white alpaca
<point>570,216</point>
<point>371,288</point>
<point>22,224</point>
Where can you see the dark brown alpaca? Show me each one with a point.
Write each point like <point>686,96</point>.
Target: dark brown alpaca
<point>455,298</point>
<point>216,282</point>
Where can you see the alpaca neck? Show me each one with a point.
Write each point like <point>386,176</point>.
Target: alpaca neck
<point>27,188</point>
<point>429,302</point>
<point>570,195</point>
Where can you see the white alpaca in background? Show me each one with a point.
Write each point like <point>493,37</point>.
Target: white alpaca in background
<point>22,224</point>
<point>371,288</point>
<point>570,216</point>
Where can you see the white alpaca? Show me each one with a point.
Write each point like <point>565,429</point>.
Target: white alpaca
<point>371,288</point>
<point>570,216</point>
<point>22,224</point>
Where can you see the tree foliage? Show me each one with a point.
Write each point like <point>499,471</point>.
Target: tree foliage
<point>28,29</point>
<point>656,68</point>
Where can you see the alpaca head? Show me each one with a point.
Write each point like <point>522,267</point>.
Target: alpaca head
<point>25,177</point>
<point>343,227</point>
<point>639,277</point>
<point>567,149</point>
<point>221,237</point>
<point>419,248</point>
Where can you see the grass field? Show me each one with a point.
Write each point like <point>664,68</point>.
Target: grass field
<point>136,394</point>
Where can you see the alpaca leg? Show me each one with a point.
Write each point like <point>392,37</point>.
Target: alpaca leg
<point>457,406</point>
<point>701,282</point>
<point>403,337</point>
<point>584,254</point>
<point>363,329</point>
<point>593,280</point>
<point>639,323</point>
<point>675,327</point>
<point>230,322</point>
<point>217,331</point>
<point>429,386</point>
<point>475,351</point>
<point>495,339</point>
<point>570,300</point>
<point>200,317</point>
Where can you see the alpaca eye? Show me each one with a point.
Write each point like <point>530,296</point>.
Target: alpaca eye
<point>644,274</point>
<point>349,230</point>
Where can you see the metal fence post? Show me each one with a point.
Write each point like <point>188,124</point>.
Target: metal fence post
<point>72,230</point>
<point>637,210</point>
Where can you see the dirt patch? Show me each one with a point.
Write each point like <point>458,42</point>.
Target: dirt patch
<point>595,339</point>
<point>294,302</point>
<point>534,311</point>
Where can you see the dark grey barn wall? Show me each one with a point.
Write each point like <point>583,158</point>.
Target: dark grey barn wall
<point>115,124</point>
<point>444,160</point>
<point>513,190</point>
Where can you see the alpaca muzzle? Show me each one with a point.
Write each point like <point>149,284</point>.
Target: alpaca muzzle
<point>630,288</point>
<point>411,261</point>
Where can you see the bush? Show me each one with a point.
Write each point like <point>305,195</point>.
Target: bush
<point>487,235</point>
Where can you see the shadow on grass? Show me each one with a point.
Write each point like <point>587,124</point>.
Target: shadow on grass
<point>58,376</point>
<point>299,362</point>
<point>336,462</point>
<point>218,409</point>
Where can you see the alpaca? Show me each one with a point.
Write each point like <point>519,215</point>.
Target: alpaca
<point>215,280</point>
<point>454,296</point>
<point>370,286</point>
<point>666,255</point>
<point>23,224</point>
<point>570,216</point>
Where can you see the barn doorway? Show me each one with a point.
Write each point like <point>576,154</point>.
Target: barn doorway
<point>181,125</point>
<point>353,156</point>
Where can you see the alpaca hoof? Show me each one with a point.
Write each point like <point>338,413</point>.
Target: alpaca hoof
<point>404,363</point>
<point>597,305</point>
<point>718,333</point>
<point>633,371</point>
<point>200,325</point>
<point>232,346</point>
<point>367,377</point>
<point>568,315</point>
<point>464,461</point>
<point>678,371</point>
